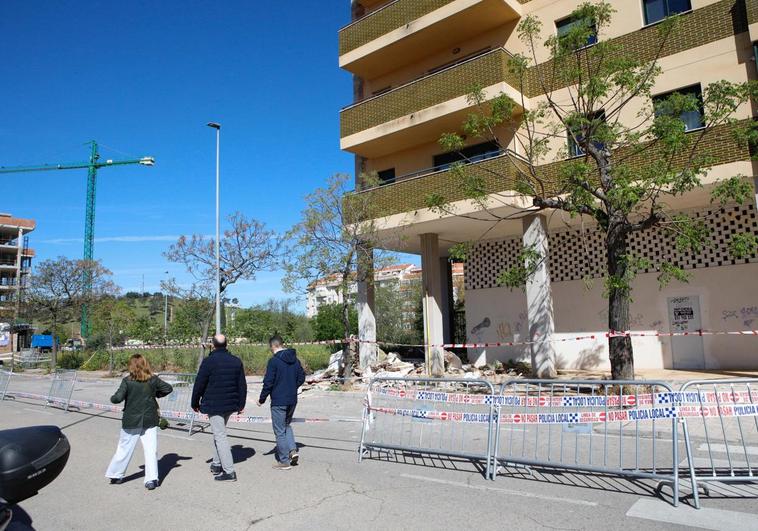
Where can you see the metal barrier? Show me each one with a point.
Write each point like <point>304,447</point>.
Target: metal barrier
<point>441,417</point>
<point>61,388</point>
<point>606,427</point>
<point>719,416</point>
<point>178,405</point>
<point>5,381</point>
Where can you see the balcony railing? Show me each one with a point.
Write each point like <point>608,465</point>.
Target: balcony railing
<point>383,20</point>
<point>409,193</point>
<point>438,87</point>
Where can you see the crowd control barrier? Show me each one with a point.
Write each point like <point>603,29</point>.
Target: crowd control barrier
<point>720,420</point>
<point>5,381</point>
<point>178,405</point>
<point>450,417</point>
<point>61,388</point>
<point>607,427</point>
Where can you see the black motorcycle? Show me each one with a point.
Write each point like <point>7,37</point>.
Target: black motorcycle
<point>30,458</point>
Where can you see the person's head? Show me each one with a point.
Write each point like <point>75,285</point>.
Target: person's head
<point>276,343</point>
<point>139,368</point>
<point>219,341</point>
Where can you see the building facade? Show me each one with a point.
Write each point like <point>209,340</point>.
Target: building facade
<point>15,266</point>
<point>402,277</point>
<point>414,63</point>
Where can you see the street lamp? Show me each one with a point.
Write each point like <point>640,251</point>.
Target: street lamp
<point>165,311</point>
<point>217,127</point>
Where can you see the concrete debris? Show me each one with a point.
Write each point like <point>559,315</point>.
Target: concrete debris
<point>452,361</point>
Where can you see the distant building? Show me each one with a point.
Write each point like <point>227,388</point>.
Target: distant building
<point>404,276</point>
<point>15,265</point>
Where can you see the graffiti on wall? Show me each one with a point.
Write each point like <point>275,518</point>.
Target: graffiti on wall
<point>748,315</point>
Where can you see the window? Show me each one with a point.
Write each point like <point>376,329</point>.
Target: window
<point>567,24</point>
<point>386,176</point>
<point>575,149</point>
<point>473,153</point>
<point>692,119</point>
<point>657,10</point>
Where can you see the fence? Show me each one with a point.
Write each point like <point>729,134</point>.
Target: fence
<point>450,417</point>
<point>719,420</point>
<point>605,427</point>
<point>5,381</point>
<point>61,388</point>
<point>178,405</point>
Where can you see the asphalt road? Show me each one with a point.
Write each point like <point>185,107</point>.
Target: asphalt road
<point>330,489</point>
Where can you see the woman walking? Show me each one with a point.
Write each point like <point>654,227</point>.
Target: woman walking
<point>140,421</point>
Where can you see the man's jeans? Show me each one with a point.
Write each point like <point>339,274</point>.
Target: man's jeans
<point>281,417</point>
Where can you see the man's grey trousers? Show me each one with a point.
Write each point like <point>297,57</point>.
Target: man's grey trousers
<point>222,452</point>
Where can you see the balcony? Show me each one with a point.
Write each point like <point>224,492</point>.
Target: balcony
<point>421,110</point>
<point>405,31</point>
<point>408,193</point>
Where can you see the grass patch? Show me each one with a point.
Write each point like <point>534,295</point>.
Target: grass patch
<point>169,359</point>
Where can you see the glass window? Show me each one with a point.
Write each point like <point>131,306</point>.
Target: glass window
<point>386,176</point>
<point>567,24</point>
<point>692,119</point>
<point>474,153</point>
<point>657,10</point>
<point>574,149</point>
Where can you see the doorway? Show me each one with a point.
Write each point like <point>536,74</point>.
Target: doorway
<point>684,316</point>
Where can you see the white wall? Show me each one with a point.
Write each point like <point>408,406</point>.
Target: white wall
<point>728,301</point>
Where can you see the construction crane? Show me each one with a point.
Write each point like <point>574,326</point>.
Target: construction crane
<point>92,166</point>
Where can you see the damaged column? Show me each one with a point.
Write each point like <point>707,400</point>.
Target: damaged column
<point>365,302</point>
<point>432,302</point>
<point>539,300</point>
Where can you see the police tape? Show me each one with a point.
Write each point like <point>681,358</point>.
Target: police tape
<point>167,414</point>
<point>676,398</point>
<point>585,417</point>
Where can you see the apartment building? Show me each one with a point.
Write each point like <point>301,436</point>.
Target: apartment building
<point>401,277</point>
<point>414,63</point>
<point>15,266</point>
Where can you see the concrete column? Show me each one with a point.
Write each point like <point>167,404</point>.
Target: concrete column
<point>446,304</point>
<point>539,301</point>
<point>19,258</point>
<point>365,302</point>
<point>433,296</point>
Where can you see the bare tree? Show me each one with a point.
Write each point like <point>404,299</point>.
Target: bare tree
<point>337,233</point>
<point>57,291</point>
<point>246,248</point>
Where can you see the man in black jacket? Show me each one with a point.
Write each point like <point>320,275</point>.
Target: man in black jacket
<point>220,390</point>
<point>284,374</point>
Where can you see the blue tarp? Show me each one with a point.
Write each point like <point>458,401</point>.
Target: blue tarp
<point>42,341</point>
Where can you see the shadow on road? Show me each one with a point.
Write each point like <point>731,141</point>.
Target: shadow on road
<point>165,465</point>
<point>458,464</point>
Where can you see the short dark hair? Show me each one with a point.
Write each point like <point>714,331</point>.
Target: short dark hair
<point>217,343</point>
<point>276,341</point>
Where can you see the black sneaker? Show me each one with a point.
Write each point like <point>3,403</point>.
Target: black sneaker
<point>117,481</point>
<point>226,477</point>
<point>216,469</point>
<point>151,485</point>
<point>294,456</point>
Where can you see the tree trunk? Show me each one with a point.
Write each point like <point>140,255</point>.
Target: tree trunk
<point>206,327</point>
<point>54,352</point>
<point>619,348</point>
<point>347,350</point>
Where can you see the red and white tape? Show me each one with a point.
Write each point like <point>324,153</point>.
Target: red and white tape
<point>172,415</point>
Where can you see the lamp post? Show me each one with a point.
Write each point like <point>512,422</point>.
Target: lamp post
<point>217,127</point>
<point>165,312</point>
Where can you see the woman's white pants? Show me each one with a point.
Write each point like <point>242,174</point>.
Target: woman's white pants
<point>127,441</point>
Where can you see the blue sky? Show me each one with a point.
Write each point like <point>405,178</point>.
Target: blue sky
<point>143,78</point>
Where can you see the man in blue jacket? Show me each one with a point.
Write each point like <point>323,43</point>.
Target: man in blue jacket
<point>220,390</point>
<point>284,375</point>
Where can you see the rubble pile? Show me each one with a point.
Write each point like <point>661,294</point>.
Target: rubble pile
<point>391,365</point>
